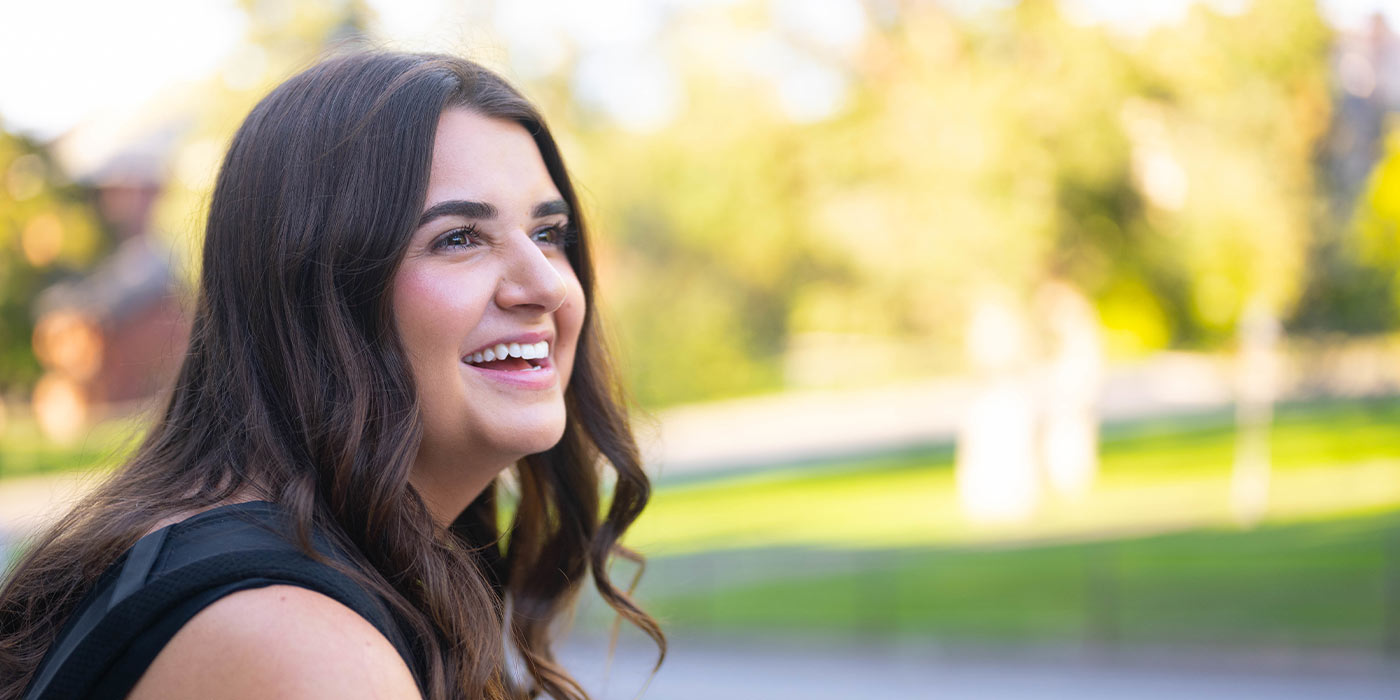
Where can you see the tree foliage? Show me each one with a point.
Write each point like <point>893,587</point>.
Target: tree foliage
<point>1169,177</point>
<point>47,233</point>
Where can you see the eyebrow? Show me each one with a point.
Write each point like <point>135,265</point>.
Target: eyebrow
<point>550,208</point>
<point>481,210</point>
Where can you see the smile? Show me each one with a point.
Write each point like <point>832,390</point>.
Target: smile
<point>515,357</point>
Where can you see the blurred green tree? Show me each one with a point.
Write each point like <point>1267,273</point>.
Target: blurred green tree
<point>1168,177</point>
<point>282,38</point>
<point>1225,131</point>
<point>48,231</point>
<point>1377,229</point>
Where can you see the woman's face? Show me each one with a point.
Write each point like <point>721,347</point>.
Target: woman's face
<point>486,275</point>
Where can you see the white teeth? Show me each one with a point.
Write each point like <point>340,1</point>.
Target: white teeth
<point>526,351</point>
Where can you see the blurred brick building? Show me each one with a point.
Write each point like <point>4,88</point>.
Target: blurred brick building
<point>110,339</point>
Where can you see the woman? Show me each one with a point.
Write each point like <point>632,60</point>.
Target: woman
<point>394,309</point>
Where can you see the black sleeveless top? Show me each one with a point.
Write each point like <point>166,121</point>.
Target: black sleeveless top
<point>168,576</point>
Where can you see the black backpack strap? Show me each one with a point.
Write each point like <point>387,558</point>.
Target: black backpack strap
<point>104,654</point>
<point>138,566</point>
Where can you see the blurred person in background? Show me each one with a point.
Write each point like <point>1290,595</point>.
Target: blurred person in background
<point>395,309</point>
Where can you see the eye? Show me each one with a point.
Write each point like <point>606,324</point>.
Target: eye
<point>561,234</point>
<point>465,237</point>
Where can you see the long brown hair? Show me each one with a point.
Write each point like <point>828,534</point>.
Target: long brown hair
<point>295,388</point>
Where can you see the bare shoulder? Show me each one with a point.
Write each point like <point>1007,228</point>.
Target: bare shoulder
<point>277,642</point>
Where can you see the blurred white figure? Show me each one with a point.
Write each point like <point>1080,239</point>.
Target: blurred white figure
<point>1257,380</point>
<point>1070,431</point>
<point>996,465</point>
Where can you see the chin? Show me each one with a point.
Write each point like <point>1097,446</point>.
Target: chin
<point>537,439</point>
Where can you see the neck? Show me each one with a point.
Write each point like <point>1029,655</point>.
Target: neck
<point>449,486</point>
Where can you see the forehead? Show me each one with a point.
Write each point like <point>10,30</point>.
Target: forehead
<point>488,160</point>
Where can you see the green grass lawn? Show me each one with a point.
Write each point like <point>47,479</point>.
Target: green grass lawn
<point>24,451</point>
<point>1329,460</point>
<point>1333,584</point>
<point>1152,556</point>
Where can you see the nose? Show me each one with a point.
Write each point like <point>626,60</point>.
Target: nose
<point>530,278</point>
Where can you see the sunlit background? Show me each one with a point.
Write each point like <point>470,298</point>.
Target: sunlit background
<point>981,348</point>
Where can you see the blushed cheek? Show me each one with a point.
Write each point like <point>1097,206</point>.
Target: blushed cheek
<point>418,315</point>
<point>409,293</point>
<point>423,315</point>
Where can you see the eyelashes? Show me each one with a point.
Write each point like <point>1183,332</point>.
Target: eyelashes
<point>464,237</point>
<point>560,235</point>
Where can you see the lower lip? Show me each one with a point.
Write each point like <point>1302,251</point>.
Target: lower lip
<point>542,378</point>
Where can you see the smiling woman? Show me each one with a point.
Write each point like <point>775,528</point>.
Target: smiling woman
<point>487,271</point>
<point>393,312</point>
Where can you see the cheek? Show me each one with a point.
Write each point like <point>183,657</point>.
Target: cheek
<point>433,313</point>
<point>414,296</point>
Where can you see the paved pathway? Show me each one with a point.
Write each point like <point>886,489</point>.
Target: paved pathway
<point>707,669</point>
<point>746,433</point>
<point>27,503</point>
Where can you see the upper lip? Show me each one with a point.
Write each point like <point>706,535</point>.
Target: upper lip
<point>521,338</point>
